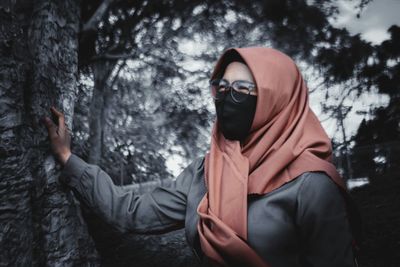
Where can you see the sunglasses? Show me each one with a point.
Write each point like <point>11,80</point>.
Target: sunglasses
<point>239,89</point>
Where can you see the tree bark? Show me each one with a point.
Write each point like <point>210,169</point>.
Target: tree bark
<point>41,224</point>
<point>16,218</point>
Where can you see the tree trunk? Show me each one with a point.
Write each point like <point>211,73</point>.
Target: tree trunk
<point>41,224</point>
<point>101,72</point>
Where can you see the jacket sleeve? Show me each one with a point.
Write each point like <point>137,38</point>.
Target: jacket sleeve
<point>159,211</point>
<point>326,239</point>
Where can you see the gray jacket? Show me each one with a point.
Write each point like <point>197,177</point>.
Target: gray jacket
<point>302,223</point>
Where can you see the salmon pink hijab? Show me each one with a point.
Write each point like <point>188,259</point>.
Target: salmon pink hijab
<point>286,139</point>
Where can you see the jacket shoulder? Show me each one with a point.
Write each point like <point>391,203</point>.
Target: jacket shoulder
<point>318,182</point>
<point>319,194</point>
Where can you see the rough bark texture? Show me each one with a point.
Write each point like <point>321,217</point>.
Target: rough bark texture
<point>16,218</point>
<point>41,223</point>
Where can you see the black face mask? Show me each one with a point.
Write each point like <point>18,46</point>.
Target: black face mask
<point>235,119</point>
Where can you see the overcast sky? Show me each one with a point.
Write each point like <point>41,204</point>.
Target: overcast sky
<point>375,19</point>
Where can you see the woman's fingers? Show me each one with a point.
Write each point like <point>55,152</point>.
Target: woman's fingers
<point>59,135</point>
<point>51,127</point>
<point>61,129</point>
<point>60,117</point>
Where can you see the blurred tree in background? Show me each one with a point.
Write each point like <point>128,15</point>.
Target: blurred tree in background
<point>382,133</point>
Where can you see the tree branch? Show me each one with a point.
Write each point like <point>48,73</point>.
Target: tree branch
<point>98,15</point>
<point>114,56</point>
<point>117,74</point>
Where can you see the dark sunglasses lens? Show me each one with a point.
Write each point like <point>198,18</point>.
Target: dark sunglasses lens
<point>240,91</point>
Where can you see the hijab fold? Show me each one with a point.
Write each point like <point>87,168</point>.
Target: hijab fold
<point>286,139</point>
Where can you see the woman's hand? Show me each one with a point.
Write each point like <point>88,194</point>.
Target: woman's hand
<point>60,138</point>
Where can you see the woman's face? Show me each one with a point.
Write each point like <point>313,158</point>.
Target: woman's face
<point>235,115</point>
<point>239,71</point>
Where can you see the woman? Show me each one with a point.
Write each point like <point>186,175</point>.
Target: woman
<point>266,193</point>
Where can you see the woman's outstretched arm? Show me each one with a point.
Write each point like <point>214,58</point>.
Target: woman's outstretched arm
<point>159,211</point>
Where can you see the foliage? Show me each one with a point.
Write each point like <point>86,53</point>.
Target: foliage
<point>148,40</point>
